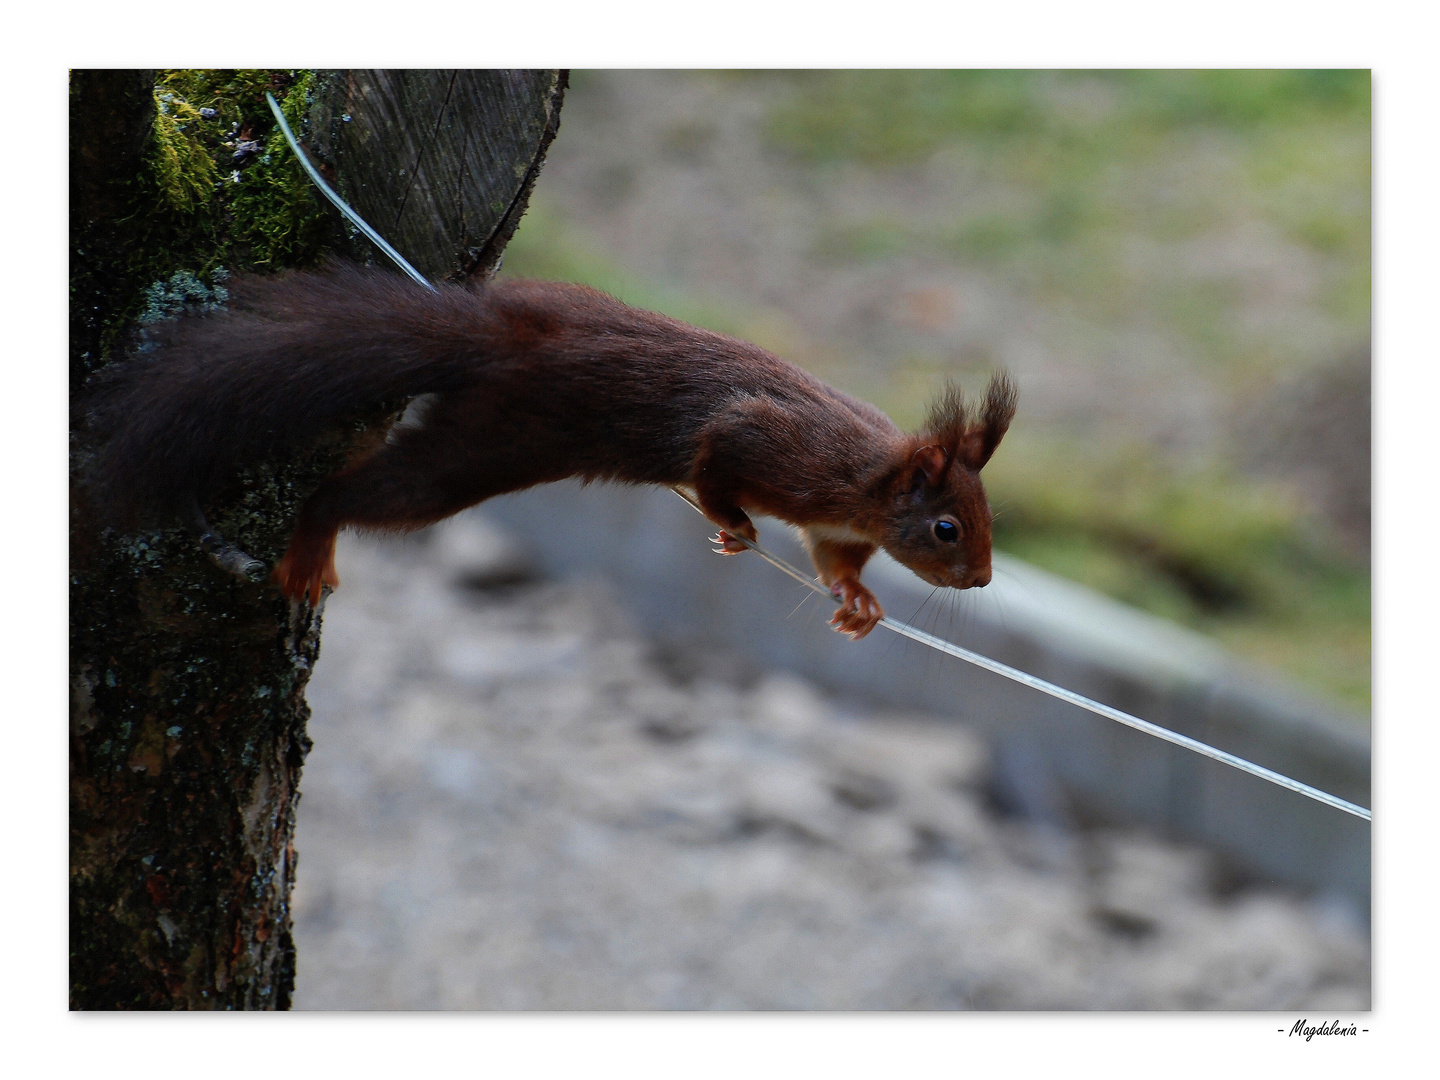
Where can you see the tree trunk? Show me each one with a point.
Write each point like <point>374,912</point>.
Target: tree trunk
<point>188,710</point>
<point>429,158</point>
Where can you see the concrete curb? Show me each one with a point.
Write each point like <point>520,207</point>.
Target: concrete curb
<point>1055,760</point>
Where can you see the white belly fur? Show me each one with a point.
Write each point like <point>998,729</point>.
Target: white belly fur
<point>840,533</point>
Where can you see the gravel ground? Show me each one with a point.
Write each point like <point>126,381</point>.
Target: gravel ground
<point>516,802</point>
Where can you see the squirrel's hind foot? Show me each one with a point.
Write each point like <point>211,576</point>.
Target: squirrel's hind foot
<point>728,543</point>
<point>307,567</point>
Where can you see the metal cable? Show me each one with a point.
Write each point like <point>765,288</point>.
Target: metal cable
<point>344,208</point>
<point>1070,696</point>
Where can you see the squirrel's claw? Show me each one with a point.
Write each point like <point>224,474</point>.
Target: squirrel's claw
<point>729,545</point>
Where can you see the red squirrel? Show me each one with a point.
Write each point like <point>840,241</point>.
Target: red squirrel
<point>531,382</point>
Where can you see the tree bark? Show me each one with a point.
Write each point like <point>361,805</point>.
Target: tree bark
<point>188,712</point>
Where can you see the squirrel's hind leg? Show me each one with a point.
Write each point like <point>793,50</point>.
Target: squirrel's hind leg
<point>309,563</point>
<point>423,476</point>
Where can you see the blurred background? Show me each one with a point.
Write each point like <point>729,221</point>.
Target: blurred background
<point>523,797</point>
<point>1175,265</point>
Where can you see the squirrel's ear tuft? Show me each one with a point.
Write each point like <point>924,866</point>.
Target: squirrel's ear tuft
<point>948,419</point>
<point>970,438</point>
<point>985,434</point>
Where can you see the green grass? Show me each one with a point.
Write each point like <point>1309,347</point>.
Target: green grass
<point>888,116</point>
<point>1107,180</point>
<point>545,247</point>
<point>1224,555</point>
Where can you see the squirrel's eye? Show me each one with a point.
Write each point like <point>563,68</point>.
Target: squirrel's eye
<point>947,531</point>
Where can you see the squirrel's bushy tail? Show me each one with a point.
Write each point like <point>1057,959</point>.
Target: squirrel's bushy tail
<point>291,357</point>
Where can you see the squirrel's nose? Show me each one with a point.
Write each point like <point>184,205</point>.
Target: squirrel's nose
<point>980,578</point>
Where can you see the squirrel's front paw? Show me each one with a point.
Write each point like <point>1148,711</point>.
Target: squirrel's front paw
<point>858,612</point>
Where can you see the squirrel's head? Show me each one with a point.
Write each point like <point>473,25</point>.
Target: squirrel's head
<point>940,527</point>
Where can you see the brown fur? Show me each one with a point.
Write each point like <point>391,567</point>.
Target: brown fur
<point>535,382</point>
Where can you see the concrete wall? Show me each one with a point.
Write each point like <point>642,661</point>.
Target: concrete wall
<point>1054,760</point>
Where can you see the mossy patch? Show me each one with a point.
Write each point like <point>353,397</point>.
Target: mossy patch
<point>219,189</point>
